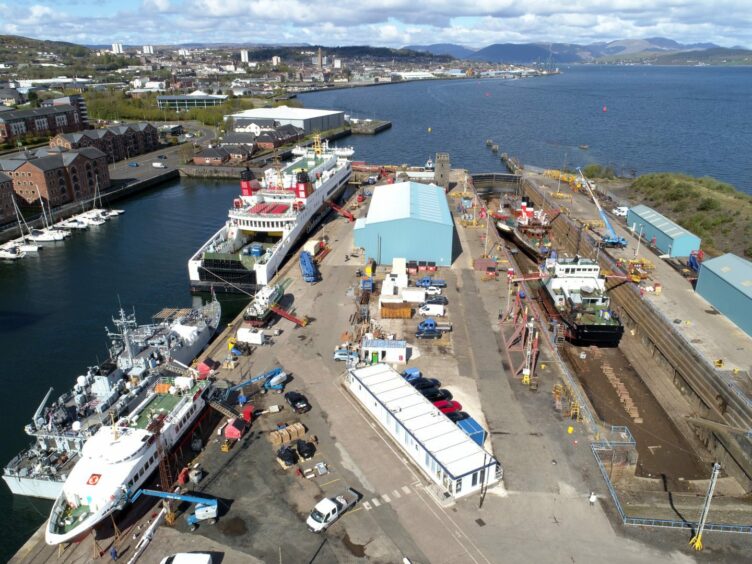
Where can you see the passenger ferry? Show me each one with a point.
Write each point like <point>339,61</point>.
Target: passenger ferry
<point>267,219</point>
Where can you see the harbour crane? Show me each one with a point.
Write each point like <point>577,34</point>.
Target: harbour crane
<point>612,239</point>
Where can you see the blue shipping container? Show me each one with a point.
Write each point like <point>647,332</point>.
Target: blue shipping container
<point>473,430</point>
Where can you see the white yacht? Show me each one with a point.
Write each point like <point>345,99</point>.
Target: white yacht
<point>11,252</point>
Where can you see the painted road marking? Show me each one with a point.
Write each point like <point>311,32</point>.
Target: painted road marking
<point>386,498</point>
<point>331,482</point>
<point>396,494</point>
<point>375,502</point>
<point>406,490</point>
<point>367,505</point>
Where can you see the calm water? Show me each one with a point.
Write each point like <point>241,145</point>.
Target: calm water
<point>53,308</point>
<point>692,120</point>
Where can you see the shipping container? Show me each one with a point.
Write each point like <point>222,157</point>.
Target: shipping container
<point>413,295</point>
<point>396,310</point>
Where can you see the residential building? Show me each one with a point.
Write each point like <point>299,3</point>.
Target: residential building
<point>57,175</point>
<point>117,49</point>
<point>276,60</point>
<point>10,97</point>
<point>17,124</point>
<point>117,143</point>
<point>213,156</point>
<point>238,138</point>
<point>147,50</point>
<point>195,99</point>
<point>255,126</point>
<point>6,199</point>
<point>244,55</point>
<point>75,100</point>
<point>238,153</point>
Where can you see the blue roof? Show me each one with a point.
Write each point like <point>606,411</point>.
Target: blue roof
<point>409,200</point>
<point>384,344</point>
<point>661,222</point>
<point>733,269</point>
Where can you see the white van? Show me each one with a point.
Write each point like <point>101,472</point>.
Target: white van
<point>432,309</point>
<point>159,165</point>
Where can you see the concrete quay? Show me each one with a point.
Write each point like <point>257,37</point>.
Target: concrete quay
<point>540,514</point>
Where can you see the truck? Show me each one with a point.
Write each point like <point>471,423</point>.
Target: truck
<point>159,165</point>
<point>329,509</point>
<point>427,281</point>
<point>413,295</point>
<point>432,309</point>
<point>308,268</point>
<point>252,336</point>
<point>432,325</point>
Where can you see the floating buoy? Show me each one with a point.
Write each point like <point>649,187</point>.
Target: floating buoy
<point>487,94</point>
<point>605,109</point>
<point>429,130</point>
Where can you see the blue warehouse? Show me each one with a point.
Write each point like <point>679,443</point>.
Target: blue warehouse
<point>670,239</point>
<point>407,220</point>
<point>726,282</point>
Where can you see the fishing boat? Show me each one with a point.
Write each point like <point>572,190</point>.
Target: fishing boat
<point>429,164</point>
<point>139,355</point>
<point>258,311</point>
<point>119,458</point>
<point>267,220</point>
<point>574,293</point>
<point>527,226</point>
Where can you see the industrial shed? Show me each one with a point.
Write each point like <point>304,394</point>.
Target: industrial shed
<point>443,452</point>
<point>670,239</point>
<point>408,220</point>
<point>307,119</point>
<point>726,282</point>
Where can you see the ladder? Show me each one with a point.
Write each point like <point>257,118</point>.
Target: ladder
<point>224,409</point>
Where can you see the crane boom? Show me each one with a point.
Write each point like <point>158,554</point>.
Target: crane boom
<point>613,239</point>
<point>174,496</point>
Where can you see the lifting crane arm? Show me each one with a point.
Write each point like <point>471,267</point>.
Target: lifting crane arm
<point>173,496</point>
<point>613,237</point>
<point>253,380</point>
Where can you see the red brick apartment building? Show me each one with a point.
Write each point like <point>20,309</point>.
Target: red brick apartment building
<point>17,124</point>
<point>118,143</point>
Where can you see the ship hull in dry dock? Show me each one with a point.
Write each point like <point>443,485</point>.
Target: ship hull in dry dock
<point>594,335</point>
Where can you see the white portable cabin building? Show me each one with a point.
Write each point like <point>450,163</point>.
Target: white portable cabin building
<point>443,452</point>
<point>384,350</point>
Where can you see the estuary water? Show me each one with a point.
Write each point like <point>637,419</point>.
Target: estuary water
<point>637,119</point>
<point>54,307</point>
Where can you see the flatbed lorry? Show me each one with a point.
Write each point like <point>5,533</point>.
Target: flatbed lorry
<point>329,509</point>
<point>427,281</point>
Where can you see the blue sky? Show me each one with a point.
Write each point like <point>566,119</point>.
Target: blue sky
<point>392,23</point>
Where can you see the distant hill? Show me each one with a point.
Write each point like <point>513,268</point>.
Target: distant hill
<point>714,56</point>
<point>16,48</point>
<point>456,51</point>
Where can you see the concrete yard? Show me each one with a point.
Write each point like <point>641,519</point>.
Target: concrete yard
<point>540,513</point>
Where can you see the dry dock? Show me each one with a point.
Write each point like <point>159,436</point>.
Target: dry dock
<point>540,514</point>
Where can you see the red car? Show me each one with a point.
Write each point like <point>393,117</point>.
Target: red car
<point>448,406</point>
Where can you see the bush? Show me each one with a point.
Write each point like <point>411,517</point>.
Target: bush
<point>709,204</point>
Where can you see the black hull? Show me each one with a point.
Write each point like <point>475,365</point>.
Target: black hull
<point>594,335</point>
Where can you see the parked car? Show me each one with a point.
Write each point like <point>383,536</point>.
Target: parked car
<point>429,334</point>
<point>422,383</point>
<point>436,394</point>
<point>346,355</point>
<point>621,211</point>
<point>163,157</point>
<point>158,165</point>
<point>411,374</point>
<point>436,300</point>
<point>132,164</point>
<point>448,406</point>
<point>433,291</point>
<point>298,402</point>
<point>457,416</point>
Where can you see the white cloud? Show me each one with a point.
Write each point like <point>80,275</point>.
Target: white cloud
<point>158,5</point>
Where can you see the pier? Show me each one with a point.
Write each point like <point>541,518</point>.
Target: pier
<point>370,127</point>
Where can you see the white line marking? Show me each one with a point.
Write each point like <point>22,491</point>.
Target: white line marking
<point>375,502</point>
<point>367,505</point>
<point>396,494</point>
<point>386,498</point>
<point>406,490</point>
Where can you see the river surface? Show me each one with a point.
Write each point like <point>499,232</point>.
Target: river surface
<point>695,120</point>
<point>54,307</point>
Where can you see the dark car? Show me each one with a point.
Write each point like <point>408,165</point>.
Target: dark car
<point>456,416</point>
<point>437,300</point>
<point>436,394</point>
<point>422,383</point>
<point>162,157</point>
<point>429,334</point>
<point>133,164</point>
<point>298,402</point>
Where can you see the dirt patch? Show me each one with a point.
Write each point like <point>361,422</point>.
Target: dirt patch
<point>232,527</point>
<point>663,451</point>
<point>358,550</point>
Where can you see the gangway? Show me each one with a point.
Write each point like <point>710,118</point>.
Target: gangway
<point>612,239</point>
<point>341,211</point>
<point>224,409</point>
<point>301,321</point>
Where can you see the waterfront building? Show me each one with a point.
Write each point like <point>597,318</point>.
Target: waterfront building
<point>407,220</point>
<point>726,283</point>
<point>117,143</point>
<point>660,232</point>
<point>307,119</point>
<point>6,199</point>
<point>195,99</point>
<point>56,175</point>
<point>15,125</point>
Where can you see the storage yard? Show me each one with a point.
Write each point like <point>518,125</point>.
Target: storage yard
<point>546,409</point>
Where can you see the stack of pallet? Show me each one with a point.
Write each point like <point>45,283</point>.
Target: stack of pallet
<point>289,433</point>
<point>622,392</point>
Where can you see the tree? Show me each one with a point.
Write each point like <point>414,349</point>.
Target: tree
<point>33,99</point>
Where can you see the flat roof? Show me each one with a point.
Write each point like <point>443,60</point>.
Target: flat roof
<point>661,222</point>
<point>384,344</point>
<point>450,446</point>
<point>733,269</point>
<point>285,112</point>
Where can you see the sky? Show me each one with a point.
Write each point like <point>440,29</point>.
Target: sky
<point>388,23</point>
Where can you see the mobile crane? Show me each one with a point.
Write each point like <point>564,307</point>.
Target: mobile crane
<point>611,240</point>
